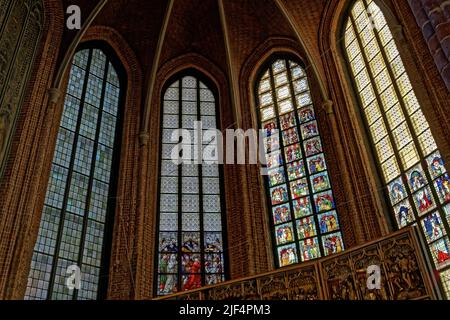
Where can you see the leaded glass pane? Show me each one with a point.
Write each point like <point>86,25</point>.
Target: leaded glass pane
<point>168,221</point>
<point>71,237</point>
<point>103,163</point>
<point>391,51</point>
<point>39,277</point>
<point>76,80</point>
<point>89,122</point>
<point>353,50</point>
<point>170,107</point>
<point>90,281</point>
<point>94,91</point>
<point>80,59</point>
<point>70,113</point>
<point>378,130</point>
<point>358,64</point>
<point>98,63</point>
<point>56,186</point>
<point>77,198</point>
<point>297,196</point>
<point>191,221</point>
<point>48,230</point>
<point>426,142</point>
<point>210,170</point>
<point>385,34</point>
<point>402,138</point>
<point>211,203</point>
<point>107,130</point>
<point>207,108</point>
<point>384,149</point>
<point>93,243</point>
<point>83,155</point>
<point>404,85</point>
<point>419,122</point>
<point>64,145</point>
<point>172,94</point>
<point>190,185</point>
<point>206,95</point>
<point>190,200</point>
<point>113,78</point>
<point>390,169</point>
<point>111,99</point>
<point>60,290</point>
<point>395,116</point>
<point>373,113</point>
<point>212,222</point>
<point>72,226</point>
<point>99,201</point>
<point>168,203</point>
<point>409,156</point>
<point>397,67</point>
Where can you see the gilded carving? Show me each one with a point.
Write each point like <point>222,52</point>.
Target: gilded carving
<point>342,277</point>
<point>303,285</point>
<point>403,271</point>
<point>190,296</point>
<point>250,290</point>
<point>229,292</point>
<point>273,287</point>
<point>246,290</point>
<point>340,284</point>
<point>361,262</point>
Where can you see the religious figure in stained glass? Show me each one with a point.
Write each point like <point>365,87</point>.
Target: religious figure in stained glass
<point>298,181</point>
<point>190,205</point>
<point>411,164</point>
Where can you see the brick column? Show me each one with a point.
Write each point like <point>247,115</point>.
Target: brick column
<point>433,17</point>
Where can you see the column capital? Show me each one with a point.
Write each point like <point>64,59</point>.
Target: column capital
<point>54,95</point>
<point>397,32</point>
<point>144,137</point>
<point>328,106</point>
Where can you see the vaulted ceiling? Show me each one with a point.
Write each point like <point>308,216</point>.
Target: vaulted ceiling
<point>197,26</point>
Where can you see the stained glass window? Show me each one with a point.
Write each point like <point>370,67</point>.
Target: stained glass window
<point>303,215</point>
<point>190,238</point>
<point>75,213</point>
<point>412,167</point>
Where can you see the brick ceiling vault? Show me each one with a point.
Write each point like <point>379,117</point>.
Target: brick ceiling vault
<point>67,59</point>
<point>226,32</point>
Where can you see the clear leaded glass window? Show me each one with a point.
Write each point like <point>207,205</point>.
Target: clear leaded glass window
<point>74,216</point>
<point>412,167</point>
<point>305,223</point>
<point>190,239</point>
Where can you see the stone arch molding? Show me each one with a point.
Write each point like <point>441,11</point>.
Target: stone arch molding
<point>21,26</point>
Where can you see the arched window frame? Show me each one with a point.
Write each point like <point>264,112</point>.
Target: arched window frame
<point>208,84</point>
<point>441,210</point>
<point>337,243</point>
<point>95,286</point>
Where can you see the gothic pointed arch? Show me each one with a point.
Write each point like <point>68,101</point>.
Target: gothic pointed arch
<point>78,211</point>
<point>191,243</point>
<point>302,208</point>
<point>408,160</point>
